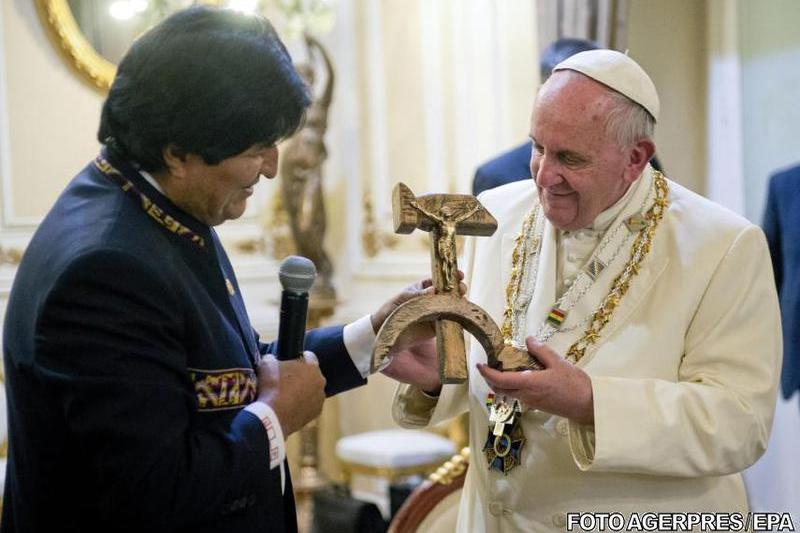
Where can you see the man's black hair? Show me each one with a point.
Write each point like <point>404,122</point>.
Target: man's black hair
<point>210,81</point>
<point>559,50</point>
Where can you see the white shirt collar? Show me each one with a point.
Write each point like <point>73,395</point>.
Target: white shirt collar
<point>604,219</point>
<point>151,180</point>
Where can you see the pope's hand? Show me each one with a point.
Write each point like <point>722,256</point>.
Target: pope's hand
<point>561,388</point>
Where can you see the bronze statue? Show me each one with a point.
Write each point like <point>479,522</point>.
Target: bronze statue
<point>301,173</point>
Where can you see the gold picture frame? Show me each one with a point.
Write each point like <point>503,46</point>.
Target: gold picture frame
<point>57,18</point>
<point>66,34</point>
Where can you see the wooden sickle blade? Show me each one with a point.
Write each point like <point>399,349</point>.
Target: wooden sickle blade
<point>470,316</point>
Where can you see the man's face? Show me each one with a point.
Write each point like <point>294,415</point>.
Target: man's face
<point>579,171</point>
<point>216,193</point>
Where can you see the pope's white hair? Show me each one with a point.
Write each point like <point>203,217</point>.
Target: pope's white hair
<point>628,122</point>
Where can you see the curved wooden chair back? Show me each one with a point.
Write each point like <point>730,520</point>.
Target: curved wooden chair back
<point>437,491</point>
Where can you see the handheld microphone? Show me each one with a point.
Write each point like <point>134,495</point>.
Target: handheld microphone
<point>296,275</point>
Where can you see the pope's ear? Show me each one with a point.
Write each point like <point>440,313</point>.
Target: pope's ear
<point>175,159</point>
<point>638,157</point>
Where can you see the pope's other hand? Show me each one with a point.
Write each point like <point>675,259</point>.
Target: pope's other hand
<point>560,389</point>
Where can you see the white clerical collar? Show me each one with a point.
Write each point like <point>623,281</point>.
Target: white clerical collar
<point>152,181</point>
<point>604,219</point>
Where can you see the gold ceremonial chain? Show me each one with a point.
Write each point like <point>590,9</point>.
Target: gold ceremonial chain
<point>602,316</point>
<point>519,265</point>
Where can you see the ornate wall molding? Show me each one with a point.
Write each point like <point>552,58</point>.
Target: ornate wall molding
<point>378,146</point>
<point>374,238</point>
<point>11,256</point>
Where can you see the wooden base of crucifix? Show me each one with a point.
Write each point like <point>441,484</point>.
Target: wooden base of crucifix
<point>445,216</point>
<point>450,342</point>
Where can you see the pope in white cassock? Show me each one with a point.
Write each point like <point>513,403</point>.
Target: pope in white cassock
<point>653,310</point>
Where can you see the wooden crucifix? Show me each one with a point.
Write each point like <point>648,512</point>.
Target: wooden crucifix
<point>444,216</point>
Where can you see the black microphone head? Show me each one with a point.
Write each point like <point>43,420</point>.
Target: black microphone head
<point>297,274</point>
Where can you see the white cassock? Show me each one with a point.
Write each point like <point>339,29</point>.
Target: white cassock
<point>684,376</point>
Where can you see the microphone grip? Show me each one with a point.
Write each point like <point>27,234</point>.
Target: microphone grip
<point>292,328</point>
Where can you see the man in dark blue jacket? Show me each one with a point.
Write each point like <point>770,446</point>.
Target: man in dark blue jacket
<point>139,396</point>
<point>782,228</point>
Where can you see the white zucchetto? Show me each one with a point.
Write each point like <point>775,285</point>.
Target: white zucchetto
<point>617,71</point>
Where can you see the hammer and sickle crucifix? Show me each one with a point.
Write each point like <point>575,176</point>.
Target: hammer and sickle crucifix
<point>445,216</point>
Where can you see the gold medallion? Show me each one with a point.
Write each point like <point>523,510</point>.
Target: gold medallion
<point>505,438</point>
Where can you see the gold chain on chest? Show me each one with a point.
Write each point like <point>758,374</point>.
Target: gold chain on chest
<point>602,316</point>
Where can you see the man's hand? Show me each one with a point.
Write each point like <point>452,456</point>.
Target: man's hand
<point>414,357</point>
<point>294,389</point>
<point>416,364</point>
<point>561,388</point>
<point>417,289</point>
<point>412,291</point>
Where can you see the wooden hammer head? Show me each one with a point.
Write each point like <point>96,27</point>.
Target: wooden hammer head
<point>405,218</point>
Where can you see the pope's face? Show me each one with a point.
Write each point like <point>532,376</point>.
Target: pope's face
<point>216,193</point>
<point>579,170</point>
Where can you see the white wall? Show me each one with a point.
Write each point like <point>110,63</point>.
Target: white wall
<point>770,51</point>
<point>668,39</point>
